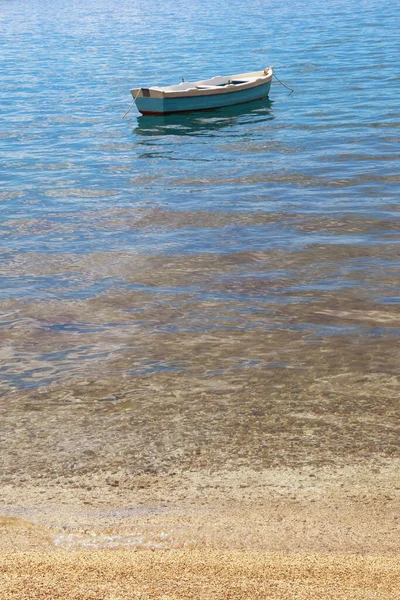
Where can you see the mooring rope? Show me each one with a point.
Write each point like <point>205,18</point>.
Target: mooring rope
<point>131,106</point>
<point>284,85</point>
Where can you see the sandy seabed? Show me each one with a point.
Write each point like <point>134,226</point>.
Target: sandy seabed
<point>279,486</point>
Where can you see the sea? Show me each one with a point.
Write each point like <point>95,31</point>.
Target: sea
<point>215,256</point>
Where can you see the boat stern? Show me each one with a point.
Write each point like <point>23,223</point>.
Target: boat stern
<point>149,101</point>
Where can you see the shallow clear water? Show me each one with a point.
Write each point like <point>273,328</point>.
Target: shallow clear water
<point>208,243</point>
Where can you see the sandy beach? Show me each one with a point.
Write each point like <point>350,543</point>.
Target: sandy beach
<point>326,533</point>
<point>191,575</point>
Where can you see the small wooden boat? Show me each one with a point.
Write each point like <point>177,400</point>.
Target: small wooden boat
<point>203,95</point>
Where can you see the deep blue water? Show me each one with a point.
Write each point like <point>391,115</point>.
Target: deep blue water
<point>290,200</point>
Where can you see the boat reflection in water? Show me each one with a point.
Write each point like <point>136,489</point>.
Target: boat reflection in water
<point>204,122</point>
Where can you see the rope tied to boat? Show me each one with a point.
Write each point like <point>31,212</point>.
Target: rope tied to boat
<point>284,84</point>
<point>131,106</point>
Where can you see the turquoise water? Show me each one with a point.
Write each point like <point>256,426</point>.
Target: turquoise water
<point>127,244</point>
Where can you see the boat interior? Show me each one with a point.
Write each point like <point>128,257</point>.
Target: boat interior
<point>209,83</point>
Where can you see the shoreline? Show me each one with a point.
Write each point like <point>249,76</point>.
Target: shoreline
<point>326,509</point>
<point>311,533</point>
<point>293,467</point>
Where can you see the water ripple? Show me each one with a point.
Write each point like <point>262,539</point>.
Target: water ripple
<point>264,224</point>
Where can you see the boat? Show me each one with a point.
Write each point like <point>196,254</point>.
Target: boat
<point>203,95</point>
